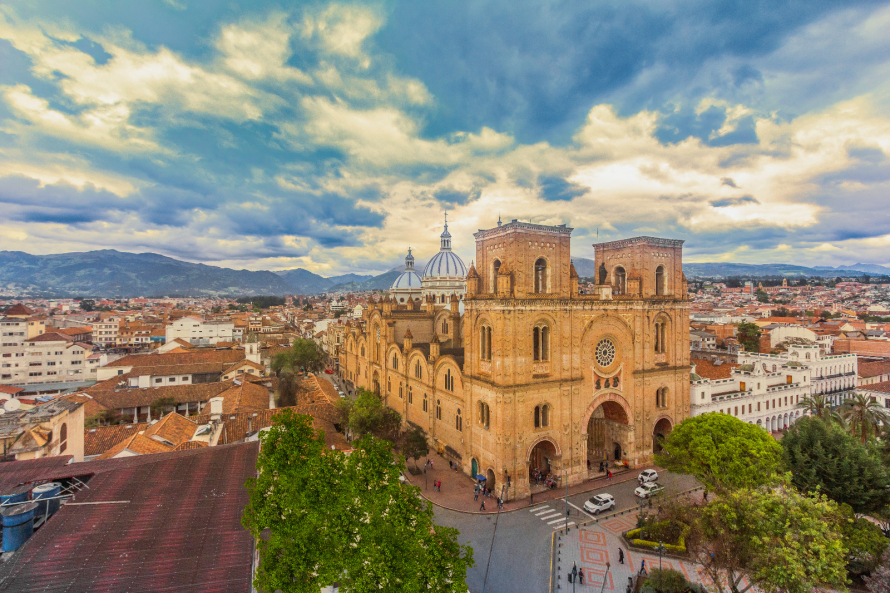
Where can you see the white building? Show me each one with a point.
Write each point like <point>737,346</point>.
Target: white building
<point>105,332</point>
<point>201,332</point>
<point>754,393</point>
<point>833,375</point>
<point>47,358</point>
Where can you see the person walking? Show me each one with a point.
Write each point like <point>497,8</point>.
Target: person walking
<point>581,575</point>
<point>610,475</point>
<point>620,556</point>
<point>482,506</point>
<point>643,567</point>
<point>476,494</point>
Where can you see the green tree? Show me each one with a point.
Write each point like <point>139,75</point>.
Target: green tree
<point>865,543</point>
<point>288,389</point>
<point>162,404</point>
<point>367,415</point>
<point>320,517</point>
<point>761,295</point>
<point>303,355</point>
<point>780,540</point>
<point>864,416</point>
<point>748,335</point>
<point>416,445</point>
<point>819,406</point>
<point>722,452</point>
<point>87,305</point>
<point>823,458</point>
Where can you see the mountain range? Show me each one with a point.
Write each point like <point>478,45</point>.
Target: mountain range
<point>112,273</point>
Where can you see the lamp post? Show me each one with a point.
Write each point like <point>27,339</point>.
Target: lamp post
<point>661,549</point>
<point>574,574</point>
<point>605,576</point>
<point>566,477</point>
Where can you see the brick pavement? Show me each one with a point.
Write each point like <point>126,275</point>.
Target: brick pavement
<point>457,488</point>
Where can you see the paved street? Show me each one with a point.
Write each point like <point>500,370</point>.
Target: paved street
<point>520,558</point>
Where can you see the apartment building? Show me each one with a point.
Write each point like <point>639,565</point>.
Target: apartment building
<point>47,358</point>
<point>201,332</point>
<point>106,332</point>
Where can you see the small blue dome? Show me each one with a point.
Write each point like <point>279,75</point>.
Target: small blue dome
<point>445,263</point>
<point>407,281</point>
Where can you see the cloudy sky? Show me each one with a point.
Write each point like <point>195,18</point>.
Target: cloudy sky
<point>331,136</point>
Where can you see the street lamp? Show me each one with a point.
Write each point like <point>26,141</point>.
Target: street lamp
<point>566,477</point>
<point>605,576</point>
<point>574,574</point>
<point>661,549</point>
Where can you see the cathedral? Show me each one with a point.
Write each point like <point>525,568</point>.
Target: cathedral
<point>509,368</point>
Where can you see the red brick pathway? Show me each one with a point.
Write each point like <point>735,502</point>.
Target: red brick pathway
<point>457,488</point>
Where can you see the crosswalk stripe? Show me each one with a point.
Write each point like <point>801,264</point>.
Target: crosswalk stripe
<point>551,516</point>
<point>561,519</point>
<point>570,523</point>
<point>544,511</point>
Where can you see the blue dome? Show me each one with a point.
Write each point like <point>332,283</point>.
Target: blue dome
<point>445,263</point>
<point>407,281</point>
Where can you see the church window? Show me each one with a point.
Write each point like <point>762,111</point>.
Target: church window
<point>495,268</point>
<point>424,403</point>
<point>418,371</point>
<point>410,395</point>
<point>63,438</point>
<point>541,276</point>
<point>484,418</point>
<point>485,342</point>
<point>542,416</point>
<point>438,409</point>
<point>458,421</point>
<point>449,381</point>
<point>363,351</point>
<point>395,361</point>
<point>401,388</point>
<point>444,326</point>
<point>660,337</point>
<point>620,281</point>
<point>659,280</point>
<point>541,343</point>
<point>661,397</point>
<point>389,384</point>
<point>605,352</point>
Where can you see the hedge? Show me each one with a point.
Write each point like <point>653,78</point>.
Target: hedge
<point>679,548</point>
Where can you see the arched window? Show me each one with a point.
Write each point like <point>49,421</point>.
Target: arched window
<point>541,343</point>
<point>449,381</point>
<point>542,416</point>
<point>418,371</point>
<point>389,384</point>
<point>438,409</point>
<point>401,388</point>
<point>495,268</point>
<point>363,351</point>
<point>541,276</point>
<point>395,361</point>
<point>424,403</point>
<point>410,395</point>
<point>485,342</point>
<point>659,280</point>
<point>458,421</point>
<point>620,281</point>
<point>444,326</point>
<point>661,397</point>
<point>63,437</point>
<point>660,337</point>
<point>484,416</point>
<point>604,275</point>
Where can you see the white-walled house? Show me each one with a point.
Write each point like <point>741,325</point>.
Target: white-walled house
<point>201,332</point>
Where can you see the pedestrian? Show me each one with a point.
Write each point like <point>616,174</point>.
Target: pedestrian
<point>581,575</point>
<point>476,494</point>
<point>500,503</point>
<point>620,556</point>
<point>450,464</point>
<point>601,467</point>
<point>643,567</point>
<point>610,475</point>
<point>482,506</point>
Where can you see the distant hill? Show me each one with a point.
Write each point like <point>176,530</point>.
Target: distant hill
<point>381,282</point>
<point>724,270</point>
<point>112,273</point>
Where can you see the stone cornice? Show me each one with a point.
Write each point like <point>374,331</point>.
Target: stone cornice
<point>515,225</point>
<point>656,241</point>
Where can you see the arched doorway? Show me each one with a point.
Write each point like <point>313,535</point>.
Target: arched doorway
<point>662,428</point>
<point>541,457</point>
<point>489,480</point>
<point>375,384</point>
<point>608,434</point>
<point>474,468</point>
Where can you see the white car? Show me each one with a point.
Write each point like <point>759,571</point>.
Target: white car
<point>599,503</point>
<point>648,489</point>
<point>647,475</point>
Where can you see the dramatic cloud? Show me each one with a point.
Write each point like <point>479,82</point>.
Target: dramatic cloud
<point>331,136</point>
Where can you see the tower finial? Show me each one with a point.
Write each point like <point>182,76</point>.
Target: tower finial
<point>499,219</point>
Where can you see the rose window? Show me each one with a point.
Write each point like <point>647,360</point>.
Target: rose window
<point>605,352</point>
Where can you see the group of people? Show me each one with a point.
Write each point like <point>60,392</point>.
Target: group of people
<point>547,479</point>
<point>486,493</point>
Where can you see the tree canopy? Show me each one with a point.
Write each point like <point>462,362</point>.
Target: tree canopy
<point>321,517</point>
<point>748,335</point>
<point>721,451</point>
<point>822,457</point>
<point>303,355</point>
<point>366,414</point>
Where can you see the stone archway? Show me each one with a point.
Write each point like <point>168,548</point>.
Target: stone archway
<point>662,428</point>
<point>541,457</point>
<point>609,432</point>
<point>375,384</point>
<point>490,480</point>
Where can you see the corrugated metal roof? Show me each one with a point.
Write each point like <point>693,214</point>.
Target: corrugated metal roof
<point>181,530</point>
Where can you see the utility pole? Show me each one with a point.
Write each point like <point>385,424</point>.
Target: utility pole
<point>566,477</point>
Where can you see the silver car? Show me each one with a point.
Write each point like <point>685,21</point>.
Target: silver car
<point>599,503</point>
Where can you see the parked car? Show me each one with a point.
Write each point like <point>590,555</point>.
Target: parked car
<point>647,475</point>
<point>329,371</point>
<point>600,503</point>
<point>648,489</point>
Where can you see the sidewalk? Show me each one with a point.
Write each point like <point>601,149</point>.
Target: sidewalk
<point>457,488</point>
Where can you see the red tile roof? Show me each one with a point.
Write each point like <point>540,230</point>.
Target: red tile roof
<point>179,531</point>
<point>178,358</point>
<point>874,368</point>
<point>882,387</point>
<point>14,473</point>
<point>18,309</point>
<point>100,439</point>
<point>708,370</point>
<point>10,389</point>
<point>51,337</point>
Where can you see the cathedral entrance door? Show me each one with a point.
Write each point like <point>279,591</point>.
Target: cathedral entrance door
<point>540,458</point>
<point>375,384</point>
<point>475,468</point>
<point>617,451</point>
<point>609,433</point>
<point>662,429</point>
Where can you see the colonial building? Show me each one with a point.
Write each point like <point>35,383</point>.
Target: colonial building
<point>533,374</point>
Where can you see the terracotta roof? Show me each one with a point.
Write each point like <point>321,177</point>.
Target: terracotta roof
<point>91,407</point>
<point>18,309</point>
<point>178,358</point>
<point>882,387</point>
<point>10,389</point>
<point>73,331</point>
<point>173,427</point>
<point>247,397</point>
<point>139,444</point>
<point>130,397</point>
<point>100,439</point>
<point>179,531</point>
<point>190,445</point>
<point>237,426</point>
<point>245,364</point>
<point>51,337</point>
<point>708,370</point>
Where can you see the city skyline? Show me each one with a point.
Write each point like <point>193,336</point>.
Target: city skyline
<point>333,136</point>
